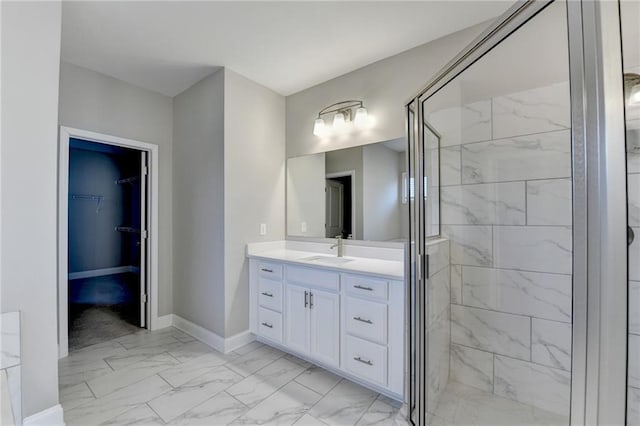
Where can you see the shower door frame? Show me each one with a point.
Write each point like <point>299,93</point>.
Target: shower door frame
<point>599,326</point>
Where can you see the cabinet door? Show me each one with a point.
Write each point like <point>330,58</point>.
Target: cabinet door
<point>296,318</point>
<point>325,327</point>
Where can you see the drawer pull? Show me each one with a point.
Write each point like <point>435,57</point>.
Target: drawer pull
<point>306,300</point>
<point>267,270</point>
<point>368,321</point>
<point>266,324</point>
<point>358,286</point>
<point>264,293</point>
<point>364,361</point>
<point>310,299</point>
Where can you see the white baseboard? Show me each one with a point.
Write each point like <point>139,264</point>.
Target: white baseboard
<point>209,337</point>
<point>234,342</point>
<point>163,322</point>
<point>52,416</point>
<point>103,272</point>
<point>212,339</point>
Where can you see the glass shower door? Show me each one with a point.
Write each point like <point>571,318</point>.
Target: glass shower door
<point>495,141</point>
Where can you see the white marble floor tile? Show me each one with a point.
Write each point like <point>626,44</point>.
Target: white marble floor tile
<point>70,374</point>
<point>297,360</point>
<point>140,353</point>
<point>180,400</point>
<point>190,350</point>
<point>253,361</point>
<point>344,404</point>
<point>253,389</point>
<point>112,405</point>
<point>318,379</point>
<point>72,396</point>
<point>308,420</point>
<point>141,415</point>
<point>380,413</point>
<point>122,378</point>
<point>219,410</point>
<point>284,407</point>
<point>147,338</point>
<point>249,347</point>
<point>182,373</point>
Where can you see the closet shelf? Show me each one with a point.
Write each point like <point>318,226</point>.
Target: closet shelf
<point>128,229</point>
<point>89,197</point>
<point>127,180</point>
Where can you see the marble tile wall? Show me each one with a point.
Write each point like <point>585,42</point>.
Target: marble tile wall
<point>506,208</point>
<point>438,320</point>
<point>633,191</point>
<point>10,364</point>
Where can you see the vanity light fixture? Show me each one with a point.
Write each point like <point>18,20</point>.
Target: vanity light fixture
<point>632,89</point>
<point>342,119</point>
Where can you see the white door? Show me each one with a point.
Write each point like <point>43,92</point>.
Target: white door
<point>297,318</point>
<point>144,234</point>
<point>325,326</point>
<point>335,208</point>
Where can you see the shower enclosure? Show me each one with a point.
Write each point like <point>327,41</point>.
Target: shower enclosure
<point>519,145</point>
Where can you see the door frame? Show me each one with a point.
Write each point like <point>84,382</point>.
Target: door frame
<point>66,134</point>
<point>352,174</point>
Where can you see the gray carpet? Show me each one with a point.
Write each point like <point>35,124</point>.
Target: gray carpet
<point>91,324</point>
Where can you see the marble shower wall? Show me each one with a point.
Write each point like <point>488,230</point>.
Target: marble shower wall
<point>10,360</point>
<point>506,208</point>
<point>438,305</point>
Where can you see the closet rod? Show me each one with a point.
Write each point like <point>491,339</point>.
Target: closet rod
<point>127,229</point>
<point>128,180</point>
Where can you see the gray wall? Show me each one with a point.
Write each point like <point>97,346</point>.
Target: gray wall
<point>30,68</point>
<point>103,104</point>
<point>381,195</point>
<point>254,169</point>
<point>198,209</point>
<point>384,86</point>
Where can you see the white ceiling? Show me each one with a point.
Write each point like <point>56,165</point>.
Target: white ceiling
<point>286,46</point>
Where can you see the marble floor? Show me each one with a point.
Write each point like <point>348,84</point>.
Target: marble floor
<point>168,377</point>
<point>463,405</point>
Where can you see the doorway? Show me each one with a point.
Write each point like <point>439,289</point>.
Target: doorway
<point>339,204</point>
<point>107,242</point>
<point>107,227</point>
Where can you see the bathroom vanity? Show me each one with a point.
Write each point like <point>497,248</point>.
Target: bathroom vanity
<point>345,314</point>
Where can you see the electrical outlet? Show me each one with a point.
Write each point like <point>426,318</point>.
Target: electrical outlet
<point>303,227</point>
<point>263,229</point>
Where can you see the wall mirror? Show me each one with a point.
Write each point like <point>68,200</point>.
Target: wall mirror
<point>360,193</point>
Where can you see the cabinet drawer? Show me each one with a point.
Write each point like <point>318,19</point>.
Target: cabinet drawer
<point>365,286</point>
<point>270,270</point>
<point>366,319</point>
<point>270,324</point>
<point>367,360</point>
<point>313,277</point>
<point>270,294</point>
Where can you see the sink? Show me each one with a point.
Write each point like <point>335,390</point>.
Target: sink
<point>329,260</point>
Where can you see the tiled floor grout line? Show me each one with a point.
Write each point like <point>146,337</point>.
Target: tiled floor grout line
<point>328,392</point>
<point>366,411</point>
<point>155,412</point>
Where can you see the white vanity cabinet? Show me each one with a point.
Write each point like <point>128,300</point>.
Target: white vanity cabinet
<point>347,322</point>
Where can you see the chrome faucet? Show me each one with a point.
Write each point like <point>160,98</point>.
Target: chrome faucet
<point>338,244</point>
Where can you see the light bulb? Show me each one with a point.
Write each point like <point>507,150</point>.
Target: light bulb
<point>319,128</point>
<point>361,119</point>
<point>338,121</point>
<point>634,96</point>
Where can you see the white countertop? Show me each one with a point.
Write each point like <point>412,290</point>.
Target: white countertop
<point>386,268</point>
